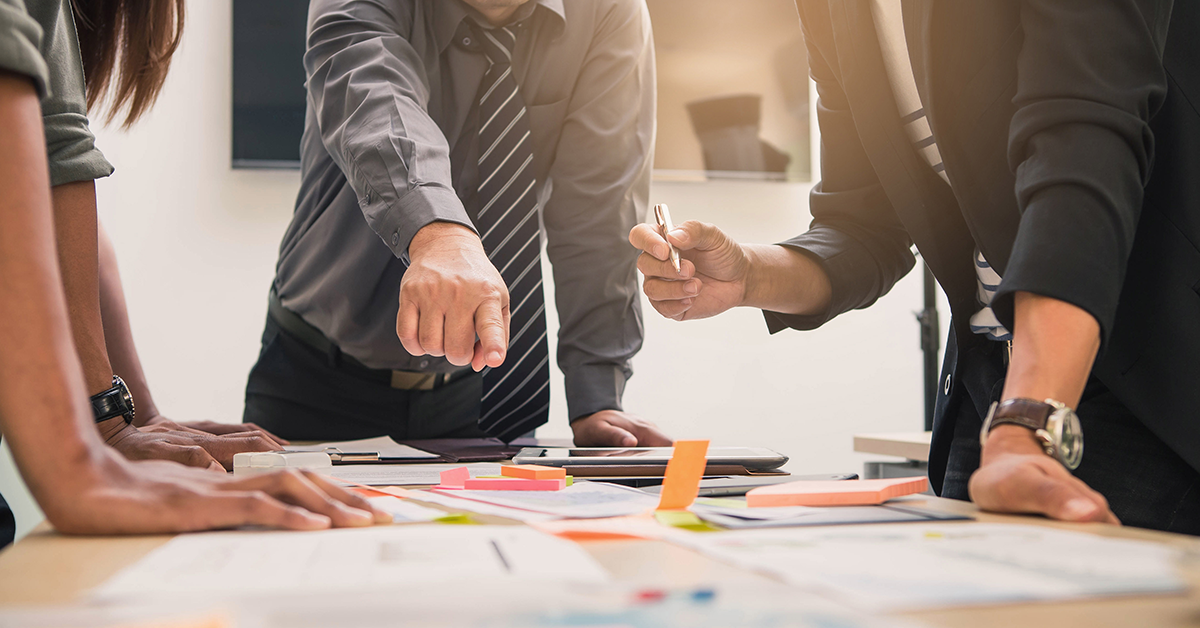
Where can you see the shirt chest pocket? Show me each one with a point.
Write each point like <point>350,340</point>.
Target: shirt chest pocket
<point>545,128</point>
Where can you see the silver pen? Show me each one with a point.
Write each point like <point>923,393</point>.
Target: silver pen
<point>663,217</point>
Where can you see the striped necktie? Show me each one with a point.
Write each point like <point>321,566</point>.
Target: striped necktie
<point>516,395</point>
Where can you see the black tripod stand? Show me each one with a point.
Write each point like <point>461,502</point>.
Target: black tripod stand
<point>930,343</point>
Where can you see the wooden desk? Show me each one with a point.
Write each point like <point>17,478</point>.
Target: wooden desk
<point>46,568</point>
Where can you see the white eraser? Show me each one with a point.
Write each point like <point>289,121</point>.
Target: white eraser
<point>252,462</point>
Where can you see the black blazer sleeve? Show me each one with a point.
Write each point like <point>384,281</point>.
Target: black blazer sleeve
<point>1090,77</point>
<point>855,234</point>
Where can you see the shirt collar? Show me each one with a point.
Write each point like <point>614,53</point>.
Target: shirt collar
<point>448,15</point>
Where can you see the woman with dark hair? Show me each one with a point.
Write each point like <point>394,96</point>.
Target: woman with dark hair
<point>124,49</point>
<point>83,486</point>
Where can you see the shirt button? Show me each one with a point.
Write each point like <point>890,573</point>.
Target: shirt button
<point>946,387</point>
<point>424,364</point>
<point>466,41</point>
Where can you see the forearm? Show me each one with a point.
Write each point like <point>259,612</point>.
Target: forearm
<point>780,279</point>
<point>1054,346</point>
<point>118,335</point>
<point>43,410</point>
<point>75,229</point>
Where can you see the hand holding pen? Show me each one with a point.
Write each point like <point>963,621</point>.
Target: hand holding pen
<point>691,271</point>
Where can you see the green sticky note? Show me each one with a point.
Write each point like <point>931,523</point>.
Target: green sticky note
<point>570,480</point>
<point>721,501</point>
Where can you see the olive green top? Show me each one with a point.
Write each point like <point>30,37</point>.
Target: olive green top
<point>58,73</point>
<point>20,38</point>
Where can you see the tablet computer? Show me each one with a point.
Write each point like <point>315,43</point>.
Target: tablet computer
<point>752,458</point>
<point>733,486</point>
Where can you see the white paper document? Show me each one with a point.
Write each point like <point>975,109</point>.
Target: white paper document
<point>788,516</point>
<point>481,508</point>
<point>406,474</point>
<point>583,500</point>
<point>405,511</point>
<point>930,565</point>
<point>382,445</point>
<point>501,604</point>
<point>220,565</point>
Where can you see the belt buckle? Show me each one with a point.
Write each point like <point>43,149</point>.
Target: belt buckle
<point>405,380</point>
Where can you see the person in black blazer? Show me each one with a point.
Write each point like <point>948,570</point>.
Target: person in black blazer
<point>1065,139</point>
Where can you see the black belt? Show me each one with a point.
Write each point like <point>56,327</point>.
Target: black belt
<point>298,328</point>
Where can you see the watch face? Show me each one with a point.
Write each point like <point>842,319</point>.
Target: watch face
<point>126,396</point>
<point>1071,442</point>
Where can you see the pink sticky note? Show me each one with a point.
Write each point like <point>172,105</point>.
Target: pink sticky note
<point>455,478</point>
<point>513,484</point>
<point>835,493</point>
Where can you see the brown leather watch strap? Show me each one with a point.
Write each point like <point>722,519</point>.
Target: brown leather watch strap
<point>1028,413</point>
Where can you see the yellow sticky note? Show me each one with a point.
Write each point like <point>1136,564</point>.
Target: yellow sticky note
<point>684,471</point>
<point>684,519</point>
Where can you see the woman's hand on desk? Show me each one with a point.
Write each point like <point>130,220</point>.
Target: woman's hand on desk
<point>167,441</point>
<point>122,497</point>
<point>214,427</point>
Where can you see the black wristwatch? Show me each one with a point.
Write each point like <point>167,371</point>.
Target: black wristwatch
<point>114,402</point>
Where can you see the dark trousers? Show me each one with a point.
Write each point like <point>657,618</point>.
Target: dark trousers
<point>300,393</point>
<point>8,525</point>
<point>1146,483</point>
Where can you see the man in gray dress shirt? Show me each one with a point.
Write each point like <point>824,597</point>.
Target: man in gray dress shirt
<point>407,299</point>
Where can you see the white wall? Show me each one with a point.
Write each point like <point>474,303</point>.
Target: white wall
<point>197,245</point>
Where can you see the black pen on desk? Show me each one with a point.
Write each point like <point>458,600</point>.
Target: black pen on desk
<point>662,216</point>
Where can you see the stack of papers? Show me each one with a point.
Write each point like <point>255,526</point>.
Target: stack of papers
<point>787,516</point>
<point>405,511</point>
<point>405,474</point>
<point>583,500</point>
<point>913,566</point>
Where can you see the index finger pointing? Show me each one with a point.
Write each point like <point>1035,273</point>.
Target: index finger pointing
<point>492,328</point>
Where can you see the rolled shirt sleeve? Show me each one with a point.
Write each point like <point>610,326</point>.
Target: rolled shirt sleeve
<point>1082,148</point>
<point>855,236</point>
<point>20,41</point>
<point>70,144</point>
<point>601,186</point>
<point>369,92</point>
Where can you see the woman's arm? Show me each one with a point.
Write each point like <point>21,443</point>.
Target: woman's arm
<point>81,485</point>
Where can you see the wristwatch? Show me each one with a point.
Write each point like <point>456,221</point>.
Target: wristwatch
<point>114,402</point>
<point>1054,424</point>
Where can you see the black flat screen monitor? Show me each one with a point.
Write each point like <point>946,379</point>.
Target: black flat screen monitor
<point>268,82</point>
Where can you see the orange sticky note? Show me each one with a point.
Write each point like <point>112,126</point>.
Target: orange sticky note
<point>533,472</point>
<point>684,472</point>
<point>454,478</point>
<point>835,493</point>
